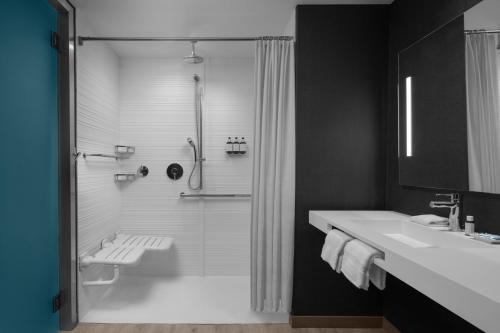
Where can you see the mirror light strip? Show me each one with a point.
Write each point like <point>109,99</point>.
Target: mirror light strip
<point>409,115</point>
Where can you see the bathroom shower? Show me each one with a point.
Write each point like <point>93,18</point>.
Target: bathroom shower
<point>177,110</point>
<point>198,153</point>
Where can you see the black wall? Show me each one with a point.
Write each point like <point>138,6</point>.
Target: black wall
<point>341,57</point>
<point>408,309</point>
<point>347,150</point>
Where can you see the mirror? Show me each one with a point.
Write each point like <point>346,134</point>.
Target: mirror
<point>449,105</point>
<point>432,111</point>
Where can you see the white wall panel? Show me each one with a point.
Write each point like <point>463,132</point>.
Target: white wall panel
<point>97,132</point>
<point>156,116</point>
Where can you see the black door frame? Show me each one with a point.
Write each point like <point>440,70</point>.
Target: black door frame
<point>65,42</point>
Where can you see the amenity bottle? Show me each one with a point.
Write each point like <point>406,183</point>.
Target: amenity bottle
<point>243,146</point>
<point>229,146</point>
<point>236,146</point>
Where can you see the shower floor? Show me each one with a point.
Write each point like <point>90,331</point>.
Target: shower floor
<point>187,299</point>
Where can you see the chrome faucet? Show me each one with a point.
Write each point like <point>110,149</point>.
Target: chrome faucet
<point>452,203</point>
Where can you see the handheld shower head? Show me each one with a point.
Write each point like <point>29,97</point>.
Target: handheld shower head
<point>190,141</point>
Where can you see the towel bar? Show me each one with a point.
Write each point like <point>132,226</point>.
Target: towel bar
<point>326,227</point>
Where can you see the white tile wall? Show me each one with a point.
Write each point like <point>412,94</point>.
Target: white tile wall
<point>156,116</point>
<point>97,132</point>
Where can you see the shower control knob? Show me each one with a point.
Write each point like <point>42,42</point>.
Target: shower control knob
<point>175,171</point>
<point>143,170</point>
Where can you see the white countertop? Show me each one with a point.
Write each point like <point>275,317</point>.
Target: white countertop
<point>457,272</point>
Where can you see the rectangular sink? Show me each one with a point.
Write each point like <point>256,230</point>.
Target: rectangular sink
<point>408,240</point>
<point>418,236</point>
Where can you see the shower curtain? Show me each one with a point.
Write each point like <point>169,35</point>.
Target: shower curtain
<point>483,113</point>
<point>273,187</point>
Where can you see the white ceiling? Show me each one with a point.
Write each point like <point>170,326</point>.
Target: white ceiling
<point>485,15</point>
<point>187,18</point>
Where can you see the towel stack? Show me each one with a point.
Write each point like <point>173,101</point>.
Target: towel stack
<point>333,249</point>
<point>354,259</point>
<point>358,267</point>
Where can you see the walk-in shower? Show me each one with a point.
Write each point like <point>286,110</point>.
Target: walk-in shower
<point>171,116</point>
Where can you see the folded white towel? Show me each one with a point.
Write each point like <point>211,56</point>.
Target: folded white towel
<point>377,276</point>
<point>357,265</point>
<point>430,220</point>
<point>333,248</point>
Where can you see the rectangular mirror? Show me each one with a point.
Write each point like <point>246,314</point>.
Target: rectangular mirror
<point>449,105</point>
<point>432,111</point>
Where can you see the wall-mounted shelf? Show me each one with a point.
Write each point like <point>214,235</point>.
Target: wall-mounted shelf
<point>143,171</point>
<point>236,153</point>
<point>125,177</point>
<point>124,151</point>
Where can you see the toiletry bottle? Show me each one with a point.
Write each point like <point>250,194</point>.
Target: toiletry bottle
<point>243,146</point>
<point>469,225</point>
<point>229,146</point>
<point>236,146</point>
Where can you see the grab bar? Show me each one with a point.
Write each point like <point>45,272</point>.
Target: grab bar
<point>85,155</point>
<point>234,195</point>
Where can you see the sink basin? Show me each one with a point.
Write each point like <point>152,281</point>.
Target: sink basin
<point>408,240</point>
<point>419,236</point>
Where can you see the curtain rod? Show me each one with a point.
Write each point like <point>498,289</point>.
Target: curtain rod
<point>82,39</point>
<point>473,32</point>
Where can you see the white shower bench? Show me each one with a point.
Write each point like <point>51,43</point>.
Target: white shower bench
<point>123,250</point>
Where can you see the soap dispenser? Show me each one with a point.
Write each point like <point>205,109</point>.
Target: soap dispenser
<point>236,146</point>
<point>229,146</point>
<point>243,146</point>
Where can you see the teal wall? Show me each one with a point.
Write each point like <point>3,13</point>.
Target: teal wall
<point>28,168</point>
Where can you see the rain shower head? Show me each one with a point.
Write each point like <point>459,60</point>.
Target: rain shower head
<point>193,58</point>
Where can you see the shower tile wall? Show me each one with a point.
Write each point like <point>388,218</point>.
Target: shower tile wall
<point>156,116</point>
<point>97,132</point>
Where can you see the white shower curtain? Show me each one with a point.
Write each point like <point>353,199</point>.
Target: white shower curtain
<point>483,113</point>
<point>273,187</point>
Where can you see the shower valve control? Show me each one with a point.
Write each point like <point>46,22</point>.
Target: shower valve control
<point>174,171</point>
<point>143,170</point>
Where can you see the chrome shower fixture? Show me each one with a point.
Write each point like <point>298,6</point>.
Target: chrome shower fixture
<point>193,58</point>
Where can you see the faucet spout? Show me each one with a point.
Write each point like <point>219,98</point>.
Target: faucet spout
<point>452,204</point>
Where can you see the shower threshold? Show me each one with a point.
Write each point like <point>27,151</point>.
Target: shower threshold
<point>179,300</point>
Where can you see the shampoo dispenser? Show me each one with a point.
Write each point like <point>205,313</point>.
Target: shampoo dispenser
<point>243,146</point>
<point>229,146</point>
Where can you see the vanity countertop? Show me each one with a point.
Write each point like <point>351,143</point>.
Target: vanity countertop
<point>460,273</point>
